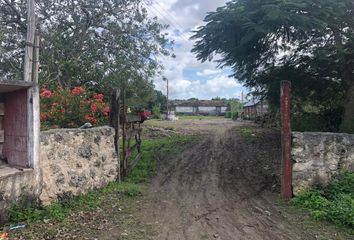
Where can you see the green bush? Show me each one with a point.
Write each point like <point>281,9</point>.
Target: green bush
<point>156,111</point>
<point>334,202</point>
<point>323,121</point>
<point>234,115</point>
<point>228,115</point>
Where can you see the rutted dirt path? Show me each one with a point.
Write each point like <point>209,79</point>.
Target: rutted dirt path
<point>225,187</point>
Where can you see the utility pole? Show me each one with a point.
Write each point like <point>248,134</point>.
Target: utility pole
<point>30,37</point>
<point>166,79</point>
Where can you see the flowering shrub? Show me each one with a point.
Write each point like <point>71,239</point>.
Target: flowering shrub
<point>72,108</point>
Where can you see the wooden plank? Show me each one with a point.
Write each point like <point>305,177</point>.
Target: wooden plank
<point>15,125</point>
<point>124,128</point>
<point>2,109</point>
<point>114,122</point>
<point>132,148</point>
<point>131,118</point>
<point>2,136</point>
<point>134,162</point>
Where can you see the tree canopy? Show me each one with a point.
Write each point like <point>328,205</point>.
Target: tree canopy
<point>309,42</point>
<point>101,44</point>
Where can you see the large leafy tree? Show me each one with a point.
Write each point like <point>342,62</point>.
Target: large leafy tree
<point>307,41</point>
<point>100,43</point>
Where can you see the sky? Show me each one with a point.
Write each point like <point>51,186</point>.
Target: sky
<point>187,76</point>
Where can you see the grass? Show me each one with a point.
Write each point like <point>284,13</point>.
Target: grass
<point>147,167</point>
<point>27,211</point>
<point>187,117</point>
<point>334,203</point>
<point>247,133</point>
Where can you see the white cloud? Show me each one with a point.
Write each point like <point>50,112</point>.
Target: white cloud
<point>208,81</point>
<point>208,72</point>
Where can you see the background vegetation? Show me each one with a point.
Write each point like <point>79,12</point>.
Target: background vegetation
<point>307,42</point>
<point>94,44</point>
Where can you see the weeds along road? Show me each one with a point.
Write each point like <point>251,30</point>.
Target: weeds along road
<point>226,187</point>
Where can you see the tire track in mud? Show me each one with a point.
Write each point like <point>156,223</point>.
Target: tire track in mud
<point>223,187</point>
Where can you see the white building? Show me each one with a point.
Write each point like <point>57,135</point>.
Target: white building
<point>201,107</point>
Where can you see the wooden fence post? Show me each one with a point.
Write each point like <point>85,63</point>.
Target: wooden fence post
<point>124,129</point>
<point>286,180</point>
<point>114,117</point>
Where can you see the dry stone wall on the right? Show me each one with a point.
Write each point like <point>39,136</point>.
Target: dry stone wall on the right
<point>320,156</point>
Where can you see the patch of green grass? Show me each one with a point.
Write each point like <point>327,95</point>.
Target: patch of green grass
<point>334,202</point>
<point>125,188</point>
<point>187,117</point>
<point>247,133</point>
<point>147,166</point>
<point>57,210</point>
<point>29,211</point>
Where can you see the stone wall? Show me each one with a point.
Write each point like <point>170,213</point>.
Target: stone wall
<point>16,184</point>
<point>75,160</point>
<point>319,156</point>
<point>72,161</point>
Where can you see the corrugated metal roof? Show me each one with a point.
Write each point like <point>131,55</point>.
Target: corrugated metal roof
<point>250,103</point>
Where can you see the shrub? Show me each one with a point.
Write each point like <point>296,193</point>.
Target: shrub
<point>64,108</point>
<point>228,115</point>
<point>156,112</point>
<point>334,202</point>
<point>234,115</point>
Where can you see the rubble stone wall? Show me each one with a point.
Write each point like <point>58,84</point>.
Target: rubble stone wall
<point>319,156</point>
<point>74,161</point>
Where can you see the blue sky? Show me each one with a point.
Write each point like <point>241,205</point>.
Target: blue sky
<point>188,77</point>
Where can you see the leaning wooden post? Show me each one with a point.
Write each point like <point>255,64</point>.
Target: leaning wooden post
<point>114,118</point>
<point>124,128</point>
<point>286,181</point>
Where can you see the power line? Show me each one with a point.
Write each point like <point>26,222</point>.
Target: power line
<point>165,19</point>
<point>175,22</point>
<point>169,14</point>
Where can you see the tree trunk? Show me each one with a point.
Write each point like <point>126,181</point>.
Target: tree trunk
<point>347,124</point>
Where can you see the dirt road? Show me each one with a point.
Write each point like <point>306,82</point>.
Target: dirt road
<point>226,187</point>
<point>223,186</point>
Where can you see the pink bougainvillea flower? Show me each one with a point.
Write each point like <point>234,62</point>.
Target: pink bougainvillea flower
<point>90,119</point>
<point>106,111</point>
<point>99,97</point>
<point>46,93</point>
<point>77,91</point>
<point>94,107</point>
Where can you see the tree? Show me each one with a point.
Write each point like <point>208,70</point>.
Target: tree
<point>235,105</point>
<point>159,100</point>
<point>309,38</point>
<point>100,44</point>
